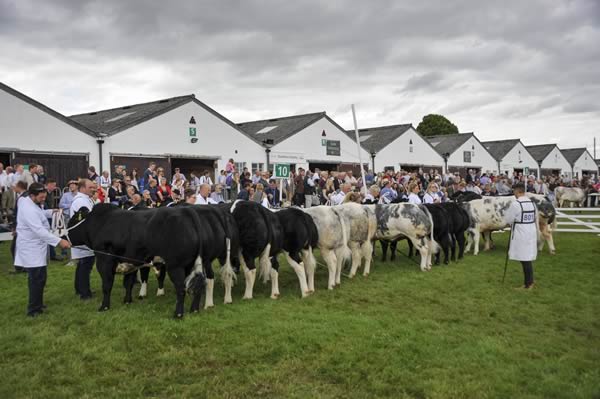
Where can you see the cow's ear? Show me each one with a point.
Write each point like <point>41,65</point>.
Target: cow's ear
<point>81,214</point>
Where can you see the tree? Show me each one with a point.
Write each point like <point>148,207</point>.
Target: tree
<point>436,125</point>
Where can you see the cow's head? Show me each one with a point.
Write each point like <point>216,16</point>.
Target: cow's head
<point>76,231</point>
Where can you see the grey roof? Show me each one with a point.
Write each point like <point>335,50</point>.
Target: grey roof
<point>279,129</point>
<point>115,120</point>
<point>46,109</point>
<point>499,148</point>
<point>448,143</point>
<point>540,152</point>
<point>374,139</point>
<point>573,154</point>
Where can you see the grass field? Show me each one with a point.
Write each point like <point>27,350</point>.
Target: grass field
<point>455,332</point>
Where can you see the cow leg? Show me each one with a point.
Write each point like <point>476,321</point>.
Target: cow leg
<point>106,268</point>
<point>274,275</point>
<point>162,273</point>
<point>331,262</point>
<point>294,261</point>
<point>411,249</point>
<point>310,265</point>
<point>475,237</point>
<point>210,284</point>
<point>384,248</point>
<point>446,243</point>
<point>356,257</point>
<point>339,265</point>
<point>546,236</point>
<point>144,274</point>
<point>367,250</point>
<point>453,247</point>
<point>249,268</point>
<point>393,250</point>
<point>129,282</point>
<point>461,245</point>
<point>177,276</point>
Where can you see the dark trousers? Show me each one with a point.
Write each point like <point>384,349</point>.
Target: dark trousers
<point>82,276</point>
<point>528,272</point>
<point>37,282</point>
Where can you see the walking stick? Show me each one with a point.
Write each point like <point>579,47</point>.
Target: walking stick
<point>507,251</point>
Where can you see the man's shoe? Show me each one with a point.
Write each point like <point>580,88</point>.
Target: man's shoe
<point>530,286</point>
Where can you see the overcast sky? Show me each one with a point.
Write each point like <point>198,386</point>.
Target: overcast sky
<point>503,69</point>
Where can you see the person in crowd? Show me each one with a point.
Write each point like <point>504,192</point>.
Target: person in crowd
<point>258,193</point>
<point>264,179</point>
<point>115,192</point>
<point>32,241</point>
<point>50,203</point>
<point>153,190</point>
<point>222,179</point>
<point>163,191</point>
<point>339,180</point>
<point>234,186</point>
<point>189,196</point>
<point>273,194</point>
<point>20,193</point>
<point>105,181</point>
<point>299,186</point>
<point>137,203</point>
<point>160,173</point>
<point>92,175</point>
<point>149,174</point>
<point>39,175</point>
<point>256,177</point>
<point>205,178</point>
<point>487,190</point>
<point>28,176</point>
<point>127,200</point>
<point>230,167</point>
<point>338,197</point>
<point>175,197</point>
<point>203,197</point>
<point>7,201</point>
<point>194,181</point>
<point>177,175</point>
<point>178,185</point>
<point>372,196</point>
<point>135,179</point>
<point>387,194</point>
<point>309,189</point>
<point>147,198</point>
<point>119,175</point>
<point>244,193</point>
<point>431,195</point>
<point>413,196</point>
<point>217,195</point>
<point>83,255</point>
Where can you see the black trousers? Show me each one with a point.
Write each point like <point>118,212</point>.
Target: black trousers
<point>36,282</point>
<point>82,276</point>
<point>527,272</point>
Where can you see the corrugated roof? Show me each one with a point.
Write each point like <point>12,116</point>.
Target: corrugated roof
<point>115,120</point>
<point>499,148</point>
<point>374,139</point>
<point>46,109</point>
<point>279,129</point>
<point>447,144</point>
<point>541,151</point>
<point>573,154</point>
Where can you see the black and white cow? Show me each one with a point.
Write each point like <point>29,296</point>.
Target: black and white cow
<point>175,234</point>
<point>571,195</point>
<point>333,233</point>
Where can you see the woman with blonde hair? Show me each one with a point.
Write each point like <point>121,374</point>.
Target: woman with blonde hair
<point>413,196</point>
<point>431,196</point>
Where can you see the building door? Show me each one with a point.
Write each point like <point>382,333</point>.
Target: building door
<point>196,165</point>
<point>62,167</point>
<point>5,158</point>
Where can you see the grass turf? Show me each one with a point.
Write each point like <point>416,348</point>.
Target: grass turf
<point>454,332</point>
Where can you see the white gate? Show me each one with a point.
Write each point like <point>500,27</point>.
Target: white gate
<point>578,220</point>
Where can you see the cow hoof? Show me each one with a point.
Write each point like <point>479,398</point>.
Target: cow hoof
<point>311,291</point>
<point>160,292</point>
<point>208,306</point>
<point>305,294</point>
<point>227,302</point>
<point>552,252</point>
<point>366,275</point>
<point>247,298</point>
<point>103,308</point>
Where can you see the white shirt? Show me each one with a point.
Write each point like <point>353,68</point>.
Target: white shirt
<point>338,198</point>
<point>429,198</point>
<point>414,199</point>
<point>4,183</point>
<point>104,181</point>
<point>206,180</point>
<point>33,234</point>
<point>200,200</point>
<point>81,200</point>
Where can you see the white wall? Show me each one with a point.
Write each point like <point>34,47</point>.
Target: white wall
<point>169,134</point>
<point>511,160</point>
<point>556,160</point>
<point>480,157</point>
<point>308,141</point>
<point>585,162</point>
<point>397,153</point>
<point>24,127</point>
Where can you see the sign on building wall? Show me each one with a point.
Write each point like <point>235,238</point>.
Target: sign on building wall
<point>192,132</point>
<point>333,147</point>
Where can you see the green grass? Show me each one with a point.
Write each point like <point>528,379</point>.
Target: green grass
<point>454,332</point>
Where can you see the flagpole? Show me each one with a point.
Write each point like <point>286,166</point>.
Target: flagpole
<point>362,173</point>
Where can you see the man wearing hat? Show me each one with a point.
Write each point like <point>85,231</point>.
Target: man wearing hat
<point>33,238</point>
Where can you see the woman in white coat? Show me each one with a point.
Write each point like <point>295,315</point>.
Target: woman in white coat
<point>33,238</point>
<point>522,215</point>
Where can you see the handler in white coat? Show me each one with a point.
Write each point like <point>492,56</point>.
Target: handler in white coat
<point>33,238</point>
<point>83,256</point>
<point>522,215</point>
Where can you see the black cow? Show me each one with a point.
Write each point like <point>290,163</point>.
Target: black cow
<point>176,234</point>
<point>459,224</point>
<point>465,196</point>
<point>300,236</point>
<point>441,229</point>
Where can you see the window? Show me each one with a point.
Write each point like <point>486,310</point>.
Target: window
<point>410,148</point>
<point>258,166</point>
<point>239,166</point>
<point>467,156</point>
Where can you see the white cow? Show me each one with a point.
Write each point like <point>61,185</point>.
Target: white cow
<point>571,195</point>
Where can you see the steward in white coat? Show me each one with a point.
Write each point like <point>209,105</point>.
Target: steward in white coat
<point>522,215</point>
<point>83,256</point>
<point>33,238</point>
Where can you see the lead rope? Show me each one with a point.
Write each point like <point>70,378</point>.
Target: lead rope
<point>58,223</point>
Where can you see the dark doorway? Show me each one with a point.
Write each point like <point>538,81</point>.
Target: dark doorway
<point>329,167</point>
<point>196,165</point>
<point>140,163</point>
<point>61,167</point>
<point>5,158</point>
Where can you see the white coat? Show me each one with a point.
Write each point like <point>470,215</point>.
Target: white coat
<point>522,215</point>
<point>414,199</point>
<point>33,234</point>
<point>201,201</point>
<point>81,200</point>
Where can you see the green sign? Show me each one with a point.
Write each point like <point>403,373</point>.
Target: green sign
<point>323,142</point>
<point>282,170</point>
<point>192,132</point>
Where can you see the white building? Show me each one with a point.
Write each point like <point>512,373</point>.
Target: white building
<point>31,132</point>
<point>550,159</point>
<point>179,132</point>
<point>398,147</point>
<point>463,152</point>
<point>511,156</point>
<point>581,161</point>
<point>309,140</point>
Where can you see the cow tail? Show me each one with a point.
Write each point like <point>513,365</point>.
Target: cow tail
<point>227,271</point>
<point>346,251</point>
<point>195,281</point>
<point>264,268</point>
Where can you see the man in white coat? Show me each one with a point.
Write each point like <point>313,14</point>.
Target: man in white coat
<point>33,238</point>
<point>522,215</point>
<point>82,255</point>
